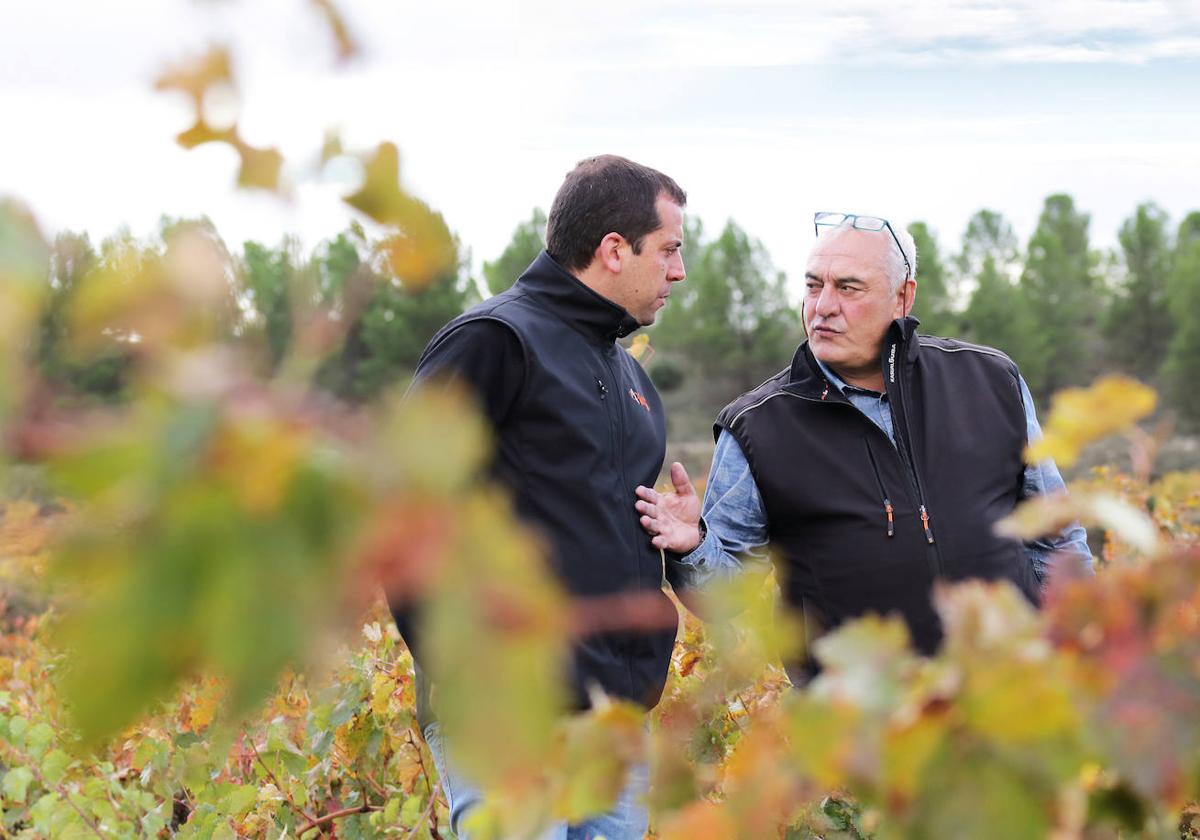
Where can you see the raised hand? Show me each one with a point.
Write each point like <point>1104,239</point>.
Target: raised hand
<point>672,520</point>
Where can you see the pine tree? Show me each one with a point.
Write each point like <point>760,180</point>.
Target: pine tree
<point>1059,287</point>
<point>934,305</point>
<point>1138,324</point>
<point>528,240</point>
<point>1181,370</point>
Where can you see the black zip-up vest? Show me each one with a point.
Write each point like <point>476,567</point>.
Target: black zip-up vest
<point>587,428</point>
<point>864,525</point>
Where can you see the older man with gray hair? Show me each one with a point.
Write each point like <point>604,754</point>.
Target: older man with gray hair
<point>876,464</point>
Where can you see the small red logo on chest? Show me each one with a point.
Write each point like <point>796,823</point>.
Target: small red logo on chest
<point>639,399</point>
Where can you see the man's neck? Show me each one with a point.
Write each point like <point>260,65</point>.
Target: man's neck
<point>866,380</point>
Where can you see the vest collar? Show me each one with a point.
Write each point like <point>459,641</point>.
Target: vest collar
<point>588,311</point>
<point>900,347</point>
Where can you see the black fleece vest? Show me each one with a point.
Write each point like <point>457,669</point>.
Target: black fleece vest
<point>863,525</point>
<point>587,428</point>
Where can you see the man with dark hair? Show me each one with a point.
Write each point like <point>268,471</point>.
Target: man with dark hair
<point>876,464</point>
<point>578,425</point>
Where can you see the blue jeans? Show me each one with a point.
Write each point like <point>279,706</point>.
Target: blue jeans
<point>627,820</point>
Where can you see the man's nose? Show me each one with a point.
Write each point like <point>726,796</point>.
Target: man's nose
<point>676,271</point>
<point>827,301</point>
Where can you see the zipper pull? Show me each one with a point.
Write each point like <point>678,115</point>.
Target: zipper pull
<point>925,522</point>
<point>887,507</point>
<point>603,388</point>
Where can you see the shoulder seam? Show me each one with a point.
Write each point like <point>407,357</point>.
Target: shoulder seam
<point>968,347</point>
<point>730,406</point>
<point>735,417</point>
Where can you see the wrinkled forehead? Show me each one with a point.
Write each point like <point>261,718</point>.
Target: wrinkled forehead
<point>852,249</point>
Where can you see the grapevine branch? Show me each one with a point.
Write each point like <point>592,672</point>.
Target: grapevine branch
<point>275,781</point>
<point>433,798</point>
<point>24,761</point>
<point>335,815</point>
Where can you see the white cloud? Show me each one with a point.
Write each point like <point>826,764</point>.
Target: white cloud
<point>492,102</point>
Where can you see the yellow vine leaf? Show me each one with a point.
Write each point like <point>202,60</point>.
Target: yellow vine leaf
<point>423,249</point>
<point>195,76</point>
<point>1044,515</point>
<point>347,47</point>
<point>260,167</point>
<point>701,820</point>
<point>204,704</point>
<point>640,349</point>
<point>380,196</point>
<point>1079,416</point>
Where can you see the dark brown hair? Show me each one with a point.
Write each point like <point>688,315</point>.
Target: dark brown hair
<point>602,195</point>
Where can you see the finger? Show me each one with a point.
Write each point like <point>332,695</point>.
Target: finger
<point>647,508</point>
<point>649,525</point>
<point>659,542</point>
<point>679,477</point>
<point>647,493</point>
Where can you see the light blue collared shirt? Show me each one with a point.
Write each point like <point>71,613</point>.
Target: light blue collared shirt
<point>736,519</point>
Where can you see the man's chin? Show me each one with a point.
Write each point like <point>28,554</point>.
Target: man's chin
<point>823,353</point>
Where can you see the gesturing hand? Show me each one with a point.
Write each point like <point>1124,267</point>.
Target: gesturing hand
<point>673,519</point>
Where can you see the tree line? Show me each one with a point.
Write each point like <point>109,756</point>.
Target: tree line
<point>1064,310</point>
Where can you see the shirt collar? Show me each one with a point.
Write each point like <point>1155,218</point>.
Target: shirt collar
<point>836,381</point>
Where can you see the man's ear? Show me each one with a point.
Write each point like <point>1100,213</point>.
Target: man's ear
<point>609,252</point>
<point>908,294</point>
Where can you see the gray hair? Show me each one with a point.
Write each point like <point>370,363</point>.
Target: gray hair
<point>895,269</point>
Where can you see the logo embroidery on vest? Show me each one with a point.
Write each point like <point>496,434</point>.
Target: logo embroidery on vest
<point>639,399</point>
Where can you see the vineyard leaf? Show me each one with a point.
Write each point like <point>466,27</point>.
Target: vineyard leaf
<point>16,784</point>
<point>201,132</point>
<point>18,726</point>
<point>865,662</point>
<point>906,750</point>
<point>347,46</point>
<point>54,766</point>
<point>1038,516</point>
<point>969,792</point>
<point>423,248</point>
<point>195,76</point>
<point>495,627</point>
<point>260,168</point>
<point>410,812</point>
<point>820,736</point>
<point>1079,416</point>
<point>424,251</point>
<point>599,747</point>
<point>39,738</point>
<point>998,697</point>
<point>1131,524</point>
<point>1042,515</point>
<point>332,146</point>
<point>700,820</point>
<point>380,196</point>
<point>239,799</point>
<point>640,349</point>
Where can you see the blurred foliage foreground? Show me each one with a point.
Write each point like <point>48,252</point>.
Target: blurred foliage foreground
<point>176,567</point>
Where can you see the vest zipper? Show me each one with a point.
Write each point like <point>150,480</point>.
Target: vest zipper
<point>887,503</point>
<point>906,435</point>
<point>617,426</point>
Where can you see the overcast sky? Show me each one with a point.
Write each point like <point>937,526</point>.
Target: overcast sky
<point>765,111</point>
